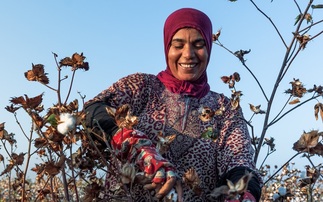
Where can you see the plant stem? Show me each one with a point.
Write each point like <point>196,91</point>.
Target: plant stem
<point>282,167</point>
<point>65,184</point>
<point>27,163</point>
<point>73,176</point>
<point>59,69</point>
<point>70,88</point>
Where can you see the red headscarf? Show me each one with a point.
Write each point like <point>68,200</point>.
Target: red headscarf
<point>186,18</point>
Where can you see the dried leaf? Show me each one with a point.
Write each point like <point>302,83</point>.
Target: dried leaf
<point>206,114</point>
<point>256,109</point>
<point>26,102</point>
<point>78,59</point>
<point>236,76</point>
<point>8,168</point>
<point>303,40</point>
<point>216,36</point>
<point>240,54</point>
<point>3,132</point>
<point>73,106</point>
<point>41,152</point>
<point>76,62</point>
<point>37,74</point>
<point>51,169</point>
<point>295,101</point>
<point>298,89</point>
<point>235,103</point>
<point>40,142</point>
<point>308,17</point>
<point>11,108</point>
<point>124,118</point>
<point>316,110</point>
<point>18,159</point>
<point>307,141</point>
<point>226,79</point>
<point>270,143</point>
<point>220,111</point>
<point>52,135</point>
<point>37,120</point>
<point>39,168</point>
<point>321,111</point>
<point>316,89</point>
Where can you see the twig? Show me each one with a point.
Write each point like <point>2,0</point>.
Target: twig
<point>312,98</point>
<point>272,23</point>
<point>275,88</point>
<point>18,123</point>
<point>59,69</point>
<point>244,64</point>
<point>282,167</point>
<point>282,109</point>
<point>252,74</point>
<point>70,88</point>
<point>73,176</point>
<point>27,163</point>
<point>66,193</point>
<point>40,192</point>
<point>267,155</point>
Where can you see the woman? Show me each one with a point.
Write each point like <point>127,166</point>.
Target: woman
<point>174,103</point>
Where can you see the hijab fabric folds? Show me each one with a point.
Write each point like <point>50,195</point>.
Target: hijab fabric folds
<point>186,18</point>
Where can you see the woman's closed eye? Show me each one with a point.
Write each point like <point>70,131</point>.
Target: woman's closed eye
<point>199,43</point>
<point>196,44</point>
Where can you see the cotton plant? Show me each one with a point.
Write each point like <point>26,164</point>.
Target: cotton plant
<point>59,129</point>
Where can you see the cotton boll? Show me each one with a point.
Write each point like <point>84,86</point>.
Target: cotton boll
<point>171,196</point>
<point>282,191</point>
<point>276,196</point>
<point>66,123</point>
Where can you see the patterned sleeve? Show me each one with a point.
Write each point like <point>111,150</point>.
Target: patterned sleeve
<point>130,90</point>
<point>235,147</point>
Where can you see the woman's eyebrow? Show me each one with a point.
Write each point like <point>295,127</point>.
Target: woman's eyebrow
<point>178,40</point>
<point>183,40</point>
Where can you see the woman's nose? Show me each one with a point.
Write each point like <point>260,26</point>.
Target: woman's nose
<point>188,52</point>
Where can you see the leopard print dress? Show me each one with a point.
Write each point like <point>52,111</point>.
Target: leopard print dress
<point>212,147</point>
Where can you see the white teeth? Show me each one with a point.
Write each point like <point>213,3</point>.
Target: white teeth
<point>188,65</point>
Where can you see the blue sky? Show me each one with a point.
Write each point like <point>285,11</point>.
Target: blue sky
<point>123,37</point>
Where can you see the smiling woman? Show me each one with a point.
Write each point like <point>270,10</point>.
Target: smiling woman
<point>195,156</point>
<point>187,55</point>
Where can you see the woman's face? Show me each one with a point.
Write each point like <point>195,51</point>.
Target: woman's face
<point>187,55</point>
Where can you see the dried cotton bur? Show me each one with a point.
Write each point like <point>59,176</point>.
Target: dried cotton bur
<point>232,190</point>
<point>128,173</point>
<point>206,114</point>
<point>123,116</point>
<point>164,142</point>
<point>310,142</point>
<point>192,180</point>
